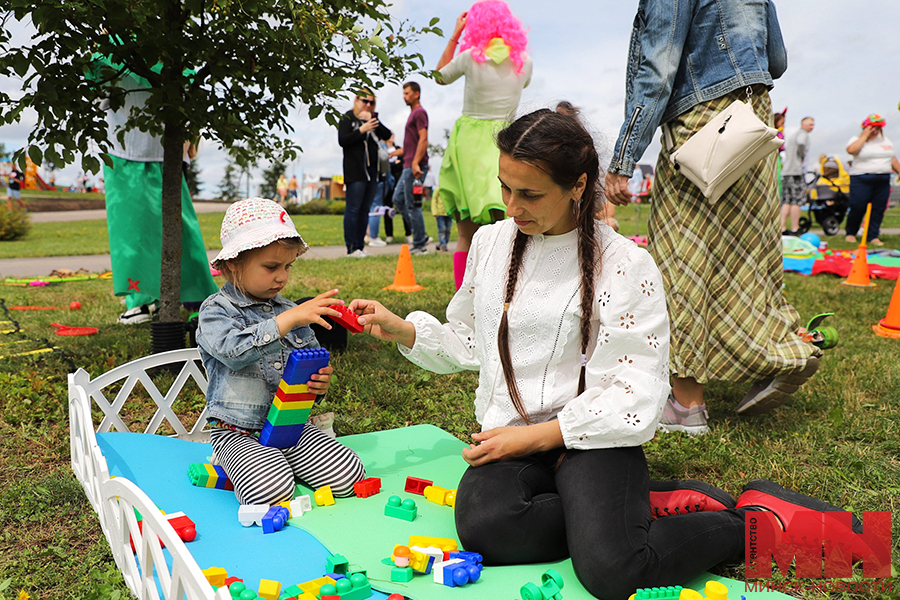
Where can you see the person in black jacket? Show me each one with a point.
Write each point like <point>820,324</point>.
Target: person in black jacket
<point>358,134</point>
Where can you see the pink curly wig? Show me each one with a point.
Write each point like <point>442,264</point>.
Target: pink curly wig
<point>490,19</point>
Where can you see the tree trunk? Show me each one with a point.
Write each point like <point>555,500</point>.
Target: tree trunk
<point>170,276</point>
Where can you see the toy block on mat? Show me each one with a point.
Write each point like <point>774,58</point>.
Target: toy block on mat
<point>209,476</point>
<point>356,587</point>
<point>414,485</point>
<point>216,576</point>
<point>436,494</point>
<point>275,519</point>
<point>405,510</point>
<point>252,514</point>
<point>401,574</point>
<point>672,592</point>
<point>324,496</point>
<point>367,487</point>
<point>300,505</point>
<point>183,526</point>
<point>551,584</point>
<point>451,499</point>
<point>348,319</point>
<point>337,563</point>
<point>444,544</point>
<point>269,589</point>
<point>315,585</point>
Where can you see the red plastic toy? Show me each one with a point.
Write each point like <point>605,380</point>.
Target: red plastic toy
<point>367,487</point>
<point>67,330</point>
<point>348,318</point>
<point>414,485</point>
<point>73,306</point>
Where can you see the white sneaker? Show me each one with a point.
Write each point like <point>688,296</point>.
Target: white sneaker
<point>138,314</point>
<point>377,243</point>
<point>422,250</point>
<point>359,254</point>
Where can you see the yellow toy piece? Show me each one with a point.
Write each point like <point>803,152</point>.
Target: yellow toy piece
<point>287,388</point>
<point>418,561</point>
<point>298,405</point>
<point>268,589</point>
<point>715,590</point>
<point>313,586</point>
<point>445,544</point>
<point>323,496</point>
<point>216,576</point>
<point>451,498</point>
<point>436,494</point>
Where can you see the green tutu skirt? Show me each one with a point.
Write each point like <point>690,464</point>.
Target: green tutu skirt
<point>134,220</point>
<point>468,183</point>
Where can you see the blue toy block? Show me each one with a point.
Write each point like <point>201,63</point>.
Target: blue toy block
<point>303,363</point>
<point>275,519</point>
<point>280,436</point>
<point>467,556</point>
<point>459,574</point>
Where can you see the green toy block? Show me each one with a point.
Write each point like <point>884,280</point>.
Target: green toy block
<point>401,574</point>
<point>405,510</point>
<point>337,564</point>
<point>671,592</point>
<point>356,587</point>
<point>292,592</point>
<point>286,417</point>
<point>198,474</point>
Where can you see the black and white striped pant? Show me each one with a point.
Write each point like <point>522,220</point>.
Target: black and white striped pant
<point>263,475</point>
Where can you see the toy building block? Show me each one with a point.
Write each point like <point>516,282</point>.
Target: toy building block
<point>445,544</point>
<point>672,592</point>
<point>216,576</point>
<point>210,476</point>
<point>230,580</point>
<point>436,494</point>
<point>451,498</point>
<point>432,551</point>
<point>715,590</point>
<point>551,584</point>
<point>337,563</point>
<point>252,514</point>
<point>275,519</point>
<point>269,589</point>
<point>238,590</point>
<point>414,485</point>
<point>356,587</point>
<point>283,424</point>
<point>183,526</point>
<point>367,487</point>
<point>323,496</point>
<point>314,586</point>
<point>401,574</point>
<point>395,597</point>
<point>420,562</point>
<point>438,569</point>
<point>300,505</point>
<point>348,319</point>
<point>456,572</point>
<point>405,510</point>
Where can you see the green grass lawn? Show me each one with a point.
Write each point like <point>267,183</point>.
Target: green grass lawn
<point>838,439</point>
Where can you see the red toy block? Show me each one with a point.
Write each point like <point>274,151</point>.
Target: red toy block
<point>231,580</point>
<point>348,319</point>
<point>183,526</point>
<point>367,487</point>
<point>414,485</point>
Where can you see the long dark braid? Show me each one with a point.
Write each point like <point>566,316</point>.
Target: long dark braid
<point>557,143</point>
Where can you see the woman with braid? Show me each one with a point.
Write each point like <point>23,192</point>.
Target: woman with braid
<point>565,320</point>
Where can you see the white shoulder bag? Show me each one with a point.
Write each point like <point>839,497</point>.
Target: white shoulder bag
<point>723,150</point>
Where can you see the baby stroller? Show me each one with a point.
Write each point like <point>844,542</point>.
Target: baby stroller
<point>828,197</point>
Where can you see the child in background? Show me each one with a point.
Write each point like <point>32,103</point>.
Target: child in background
<point>246,334</point>
<point>438,210</point>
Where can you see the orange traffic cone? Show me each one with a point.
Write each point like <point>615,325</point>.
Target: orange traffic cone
<point>859,271</point>
<point>890,325</point>
<point>404,278</point>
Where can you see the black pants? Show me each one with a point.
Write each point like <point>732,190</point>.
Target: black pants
<point>594,508</point>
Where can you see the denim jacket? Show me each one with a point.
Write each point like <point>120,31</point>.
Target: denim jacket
<point>243,354</point>
<point>684,52</point>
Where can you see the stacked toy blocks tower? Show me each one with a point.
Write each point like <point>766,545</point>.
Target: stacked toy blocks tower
<point>293,400</point>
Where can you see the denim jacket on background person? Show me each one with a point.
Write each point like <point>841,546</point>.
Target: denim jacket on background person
<point>684,52</point>
<point>243,354</point>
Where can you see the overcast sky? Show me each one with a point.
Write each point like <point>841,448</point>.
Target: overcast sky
<point>840,68</point>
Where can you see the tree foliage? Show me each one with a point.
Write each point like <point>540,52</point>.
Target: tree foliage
<point>229,188</point>
<point>269,187</point>
<point>230,71</point>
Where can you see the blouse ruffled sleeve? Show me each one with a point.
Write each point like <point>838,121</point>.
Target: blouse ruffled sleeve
<point>627,372</point>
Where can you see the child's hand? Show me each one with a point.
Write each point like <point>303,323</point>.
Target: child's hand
<point>318,384</point>
<point>309,312</point>
<point>382,324</point>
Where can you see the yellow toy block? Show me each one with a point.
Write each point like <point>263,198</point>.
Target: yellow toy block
<point>216,576</point>
<point>689,594</point>
<point>418,561</point>
<point>313,586</point>
<point>451,498</point>
<point>268,589</point>
<point>323,496</point>
<point>301,405</point>
<point>436,494</point>
<point>300,388</point>
<point>445,544</point>
<point>715,590</point>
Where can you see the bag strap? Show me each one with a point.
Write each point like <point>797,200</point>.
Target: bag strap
<point>667,136</point>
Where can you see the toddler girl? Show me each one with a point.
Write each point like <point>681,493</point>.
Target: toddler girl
<point>247,332</point>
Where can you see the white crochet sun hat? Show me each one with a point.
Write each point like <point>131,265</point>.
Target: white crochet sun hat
<point>254,223</point>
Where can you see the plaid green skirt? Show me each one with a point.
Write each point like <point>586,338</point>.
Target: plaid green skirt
<point>722,266</point>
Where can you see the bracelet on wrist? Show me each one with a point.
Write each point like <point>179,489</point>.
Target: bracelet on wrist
<point>456,41</point>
